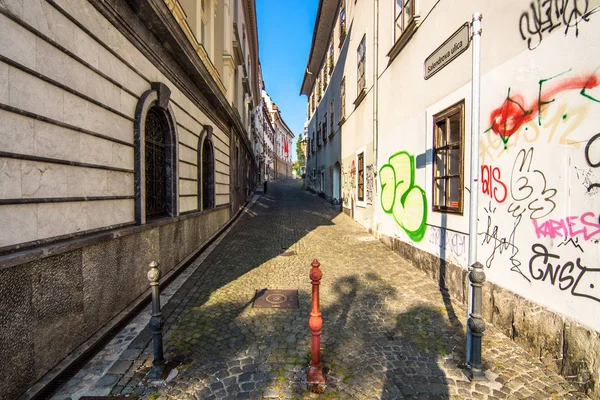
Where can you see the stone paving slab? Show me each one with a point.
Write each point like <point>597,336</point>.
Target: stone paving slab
<point>389,332</point>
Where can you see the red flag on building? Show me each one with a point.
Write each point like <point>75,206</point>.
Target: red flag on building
<point>285,146</point>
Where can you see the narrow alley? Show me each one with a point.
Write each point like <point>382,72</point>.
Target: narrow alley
<point>389,332</point>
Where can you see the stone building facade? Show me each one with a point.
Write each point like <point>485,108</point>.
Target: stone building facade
<point>400,132</point>
<point>125,137</point>
<point>282,140</point>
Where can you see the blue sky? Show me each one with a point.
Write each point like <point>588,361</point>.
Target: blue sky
<point>284,37</point>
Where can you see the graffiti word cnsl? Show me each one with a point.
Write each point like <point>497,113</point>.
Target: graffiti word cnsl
<point>548,15</point>
<point>583,281</point>
<point>401,197</point>
<point>491,184</point>
<point>514,112</point>
<point>586,226</point>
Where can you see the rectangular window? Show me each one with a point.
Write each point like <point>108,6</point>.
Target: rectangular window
<point>448,132</point>
<point>342,23</point>
<point>330,61</point>
<point>360,177</point>
<point>360,55</point>
<point>331,111</point>
<point>403,13</point>
<point>324,77</point>
<point>343,99</point>
<point>325,129</point>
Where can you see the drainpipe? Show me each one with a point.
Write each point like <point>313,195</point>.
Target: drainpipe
<point>375,98</point>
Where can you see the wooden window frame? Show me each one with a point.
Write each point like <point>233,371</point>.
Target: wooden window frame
<point>438,147</point>
<point>361,79</point>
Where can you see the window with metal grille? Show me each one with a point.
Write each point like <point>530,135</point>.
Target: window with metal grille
<point>448,159</point>
<point>208,176</point>
<point>360,177</point>
<point>156,132</point>
<point>361,55</point>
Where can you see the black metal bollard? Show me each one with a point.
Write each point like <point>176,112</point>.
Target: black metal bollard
<point>476,322</point>
<point>265,187</point>
<point>156,324</point>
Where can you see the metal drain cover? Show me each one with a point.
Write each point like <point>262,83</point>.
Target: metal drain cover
<point>275,298</point>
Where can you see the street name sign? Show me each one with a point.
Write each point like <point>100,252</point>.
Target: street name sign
<point>454,46</point>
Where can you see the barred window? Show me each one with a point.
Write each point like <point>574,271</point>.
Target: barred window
<point>360,177</point>
<point>156,133</point>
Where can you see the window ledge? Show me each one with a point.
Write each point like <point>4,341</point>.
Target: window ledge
<point>361,95</point>
<point>408,33</point>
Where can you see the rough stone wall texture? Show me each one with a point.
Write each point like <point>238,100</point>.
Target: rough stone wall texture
<point>565,346</point>
<point>50,306</point>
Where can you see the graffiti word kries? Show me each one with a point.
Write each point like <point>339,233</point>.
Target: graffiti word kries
<point>573,226</point>
<point>446,240</point>
<point>491,184</point>
<point>401,197</point>
<point>548,15</point>
<point>583,281</point>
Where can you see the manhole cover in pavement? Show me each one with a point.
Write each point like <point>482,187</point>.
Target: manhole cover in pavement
<point>107,398</point>
<point>275,298</point>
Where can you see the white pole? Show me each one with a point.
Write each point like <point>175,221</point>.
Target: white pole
<point>474,186</point>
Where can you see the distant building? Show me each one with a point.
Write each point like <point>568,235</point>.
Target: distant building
<point>282,141</point>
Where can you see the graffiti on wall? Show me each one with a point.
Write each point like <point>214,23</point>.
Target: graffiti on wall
<point>400,196</point>
<point>585,226</point>
<point>369,178</point>
<point>564,273</point>
<point>515,112</point>
<point>544,16</point>
<point>592,157</point>
<point>491,183</point>
<point>454,243</point>
<point>528,188</point>
<point>349,184</point>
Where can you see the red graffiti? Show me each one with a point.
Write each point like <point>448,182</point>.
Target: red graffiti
<point>513,113</point>
<point>569,227</point>
<point>491,183</point>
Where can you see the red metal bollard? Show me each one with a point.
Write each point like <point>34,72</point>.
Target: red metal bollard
<point>315,370</point>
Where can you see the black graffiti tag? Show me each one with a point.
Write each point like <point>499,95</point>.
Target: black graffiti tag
<point>583,281</point>
<point>528,188</point>
<point>594,163</point>
<point>544,16</point>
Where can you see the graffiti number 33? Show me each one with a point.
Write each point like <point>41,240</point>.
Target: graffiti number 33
<point>401,197</point>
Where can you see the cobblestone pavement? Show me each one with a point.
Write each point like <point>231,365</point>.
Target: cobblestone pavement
<point>388,330</point>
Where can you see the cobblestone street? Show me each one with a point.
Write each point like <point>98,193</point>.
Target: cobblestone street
<point>389,332</point>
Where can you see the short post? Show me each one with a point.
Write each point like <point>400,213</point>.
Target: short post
<point>476,322</point>
<point>315,369</point>
<point>265,187</point>
<point>156,323</point>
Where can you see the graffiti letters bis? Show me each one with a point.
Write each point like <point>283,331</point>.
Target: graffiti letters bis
<point>528,188</point>
<point>583,281</point>
<point>514,112</point>
<point>585,225</point>
<point>491,184</point>
<point>545,16</point>
<point>401,197</point>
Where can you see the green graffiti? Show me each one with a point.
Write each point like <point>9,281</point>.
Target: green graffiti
<point>401,197</point>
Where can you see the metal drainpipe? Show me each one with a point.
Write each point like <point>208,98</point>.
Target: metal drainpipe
<point>375,95</point>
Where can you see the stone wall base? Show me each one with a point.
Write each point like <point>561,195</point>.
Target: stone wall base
<point>51,305</point>
<point>563,345</point>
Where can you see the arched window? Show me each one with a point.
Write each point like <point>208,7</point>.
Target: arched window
<point>208,176</point>
<point>156,156</point>
<point>156,168</point>
<point>206,170</point>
